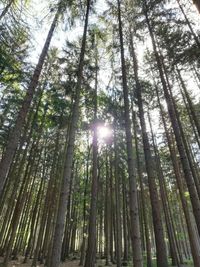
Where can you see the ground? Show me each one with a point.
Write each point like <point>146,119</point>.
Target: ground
<point>74,263</point>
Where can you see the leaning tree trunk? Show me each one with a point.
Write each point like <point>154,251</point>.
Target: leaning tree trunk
<point>190,103</point>
<point>188,23</point>
<point>60,222</point>
<point>197,3</point>
<point>15,134</point>
<point>6,9</point>
<point>134,215</point>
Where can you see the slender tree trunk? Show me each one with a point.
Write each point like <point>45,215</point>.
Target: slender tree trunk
<point>188,23</point>
<point>117,205</point>
<point>184,160</point>
<point>156,209</point>
<point>107,213</point>
<point>82,258</point>
<point>22,195</point>
<point>166,208</point>
<point>18,211</point>
<point>134,214</point>
<point>16,132</point>
<point>111,213</point>
<point>191,119</point>
<point>92,246</point>
<point>191,105</point>
<point>143,203</point>
<point>6,9</point>
<point>60,223</point>
<point>192,236</point>
<point>197,3</point>
<point>125,234</point>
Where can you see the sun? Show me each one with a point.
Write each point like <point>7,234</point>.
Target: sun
<point>103,132</point>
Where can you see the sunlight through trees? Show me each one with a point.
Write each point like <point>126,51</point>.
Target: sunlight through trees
<point>100,133</point>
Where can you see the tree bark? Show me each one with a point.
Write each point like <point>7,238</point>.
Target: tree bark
<point>134,214</point>
<point>189,24</point>
<point>91,249</point>
<point>16,132</point>
<point>184,160</point>
<point>60,222</point>
<point>143,203</point>
<point>156,209</point>
<point>117,204</point>
<point>6,9</point>
<point>191,105</point>
<point>197,3</point>
<point>192,235</point>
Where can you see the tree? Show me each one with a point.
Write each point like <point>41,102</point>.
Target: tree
<point>197,3</point>
<point>91,248</point>
<point>16,132</point>
<point>156,210</point>
<point>61,215</point>
<point>136,241</point>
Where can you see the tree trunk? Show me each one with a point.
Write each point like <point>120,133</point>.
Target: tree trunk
<point>82,257</point>
<point>117,204</point>
<point>16,132</point>
<point>91,249</point>
<point>107,213</point>
<point>134,214</point>
<point>143,203</point>
<point>6,9</point>
<point>191,105</point>
<point>166,207</point>
<point>156,209</point>
<point>184,160</point>
<point>125,234</point>
<point>189,24</point>
<point>192,235</point>
<point>197,3</point>
<point>62,208</point>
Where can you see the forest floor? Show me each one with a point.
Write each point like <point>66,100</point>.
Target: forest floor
<point>68,263</point>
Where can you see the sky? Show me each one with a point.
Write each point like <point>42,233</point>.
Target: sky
<point>39,18</point>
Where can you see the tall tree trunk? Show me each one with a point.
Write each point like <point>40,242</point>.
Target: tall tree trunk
<point>111,213</point>
<point>82,257</point>
<point>134,214</point>
<point>125,232</point>
<point>16,132</point>
<point>184,160</point>
<point>192,235</point>
<point>191,105</point>
<point>62,208</point>
<point>188,23</point>
<point>91,249</point>
<point>155,202</point>
<point>166,207</point>
<point>117,204</point>
<point>191,119</point>
<point>107,213</point>
<point>143,203</point>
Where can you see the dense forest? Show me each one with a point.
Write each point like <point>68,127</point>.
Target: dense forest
<point>100,133</point>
